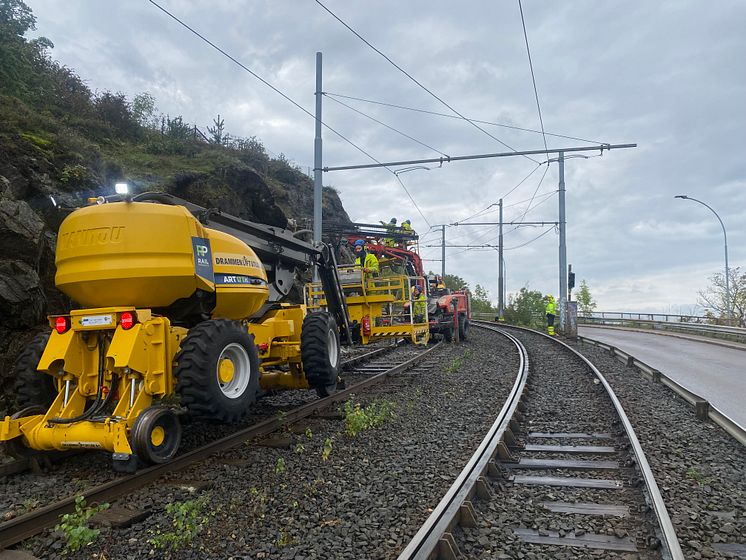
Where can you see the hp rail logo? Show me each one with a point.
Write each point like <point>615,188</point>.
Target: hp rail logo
<point>202,250</point>
<point>91,237</point>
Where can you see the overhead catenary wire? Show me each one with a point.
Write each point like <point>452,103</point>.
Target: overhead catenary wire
<point>367,116</point>
<point>530,241</point>
<point>533,77</point>
<point>406,190</point>
<point>535,191</point>
<point>447,116</point>
<point>503,196</point>
<point>284,96</point>
<point>492,227</point>
<point>516,227</point>
<point>491,247</point>
<point>408,75</point>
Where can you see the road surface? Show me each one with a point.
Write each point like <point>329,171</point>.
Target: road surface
<point>715,373</point>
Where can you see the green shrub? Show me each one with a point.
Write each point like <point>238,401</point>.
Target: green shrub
<point>187,520</point>
<point>358,418</point>
<point>74,526</point>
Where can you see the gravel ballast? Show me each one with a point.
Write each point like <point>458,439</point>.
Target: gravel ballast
<point>330,494</point>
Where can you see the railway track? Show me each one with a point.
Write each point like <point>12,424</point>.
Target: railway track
<point>559,474</point>
<point>364,370</point>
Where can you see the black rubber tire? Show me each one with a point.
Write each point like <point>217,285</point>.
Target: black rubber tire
<point>448,334</point>
<point>15,447</point>
<point>141,437</point>
<point>463,328</point>
<point>197,370</point>
<point>320,352</point>
<point>32,387</point>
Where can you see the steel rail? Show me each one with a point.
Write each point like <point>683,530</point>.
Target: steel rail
<point>669,540</point>
<point>447,513</point>
<point>30,524</point>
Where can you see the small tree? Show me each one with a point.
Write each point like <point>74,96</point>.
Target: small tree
<point>480,301</point>
<point>454,282</point>
<point>527,309</point>
<point>143,109</point>
<point>585,300</point>
<point>216,132</point>
<point>714,300</point>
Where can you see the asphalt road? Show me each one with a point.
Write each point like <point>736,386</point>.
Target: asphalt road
<point>716,373</point>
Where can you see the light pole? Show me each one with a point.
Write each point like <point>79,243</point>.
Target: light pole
<point>725,237</point>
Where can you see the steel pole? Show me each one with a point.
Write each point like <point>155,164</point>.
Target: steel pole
<point>443,253</point>
<point>562,243</point>
<point>500,278</point>
<point>317,158</point>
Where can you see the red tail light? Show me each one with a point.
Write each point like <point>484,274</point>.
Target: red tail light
<point>62,324</point>
<point>127,320</point>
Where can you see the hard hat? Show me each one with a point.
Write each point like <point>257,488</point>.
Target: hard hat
<point>407,222</point>
<point>392,221</point>
<point>417,288</point>
<point>359,243</point>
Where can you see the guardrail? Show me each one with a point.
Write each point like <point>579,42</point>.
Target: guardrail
<point>733,334</point>
<point>637,321</point>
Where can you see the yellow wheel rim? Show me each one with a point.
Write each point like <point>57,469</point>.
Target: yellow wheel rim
<point>226,370</point>
<point>157,436</point>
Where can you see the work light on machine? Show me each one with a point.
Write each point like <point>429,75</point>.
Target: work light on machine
<point>121,188</point>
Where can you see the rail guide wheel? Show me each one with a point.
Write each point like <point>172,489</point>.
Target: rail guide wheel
<point>156,435</point>
<point>321,352</point>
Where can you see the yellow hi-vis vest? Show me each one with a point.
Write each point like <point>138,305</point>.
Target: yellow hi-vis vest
<point>551,308</point>
<point>371,262</point>
<point>420,305</point>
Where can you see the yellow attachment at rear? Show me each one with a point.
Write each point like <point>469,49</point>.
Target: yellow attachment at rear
<point>138,366</point>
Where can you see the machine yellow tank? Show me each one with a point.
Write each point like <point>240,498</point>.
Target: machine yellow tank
<point>152,255</point>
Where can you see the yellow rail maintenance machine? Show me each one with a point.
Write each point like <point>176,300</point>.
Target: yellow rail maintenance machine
<point>177,300</point>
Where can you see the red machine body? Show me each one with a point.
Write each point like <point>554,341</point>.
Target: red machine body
<point>449,311</point>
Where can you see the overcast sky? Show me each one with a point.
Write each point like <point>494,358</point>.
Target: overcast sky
<point>669,76</point>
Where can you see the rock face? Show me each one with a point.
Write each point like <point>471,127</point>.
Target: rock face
<point>29,222</point>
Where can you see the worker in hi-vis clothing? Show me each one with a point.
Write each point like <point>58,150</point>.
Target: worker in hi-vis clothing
<point>390,229</point>
<point>367,261</point>
<point>419,307</point>
<point>551,313</point>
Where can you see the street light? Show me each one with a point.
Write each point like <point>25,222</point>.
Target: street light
<point>725,236</point>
